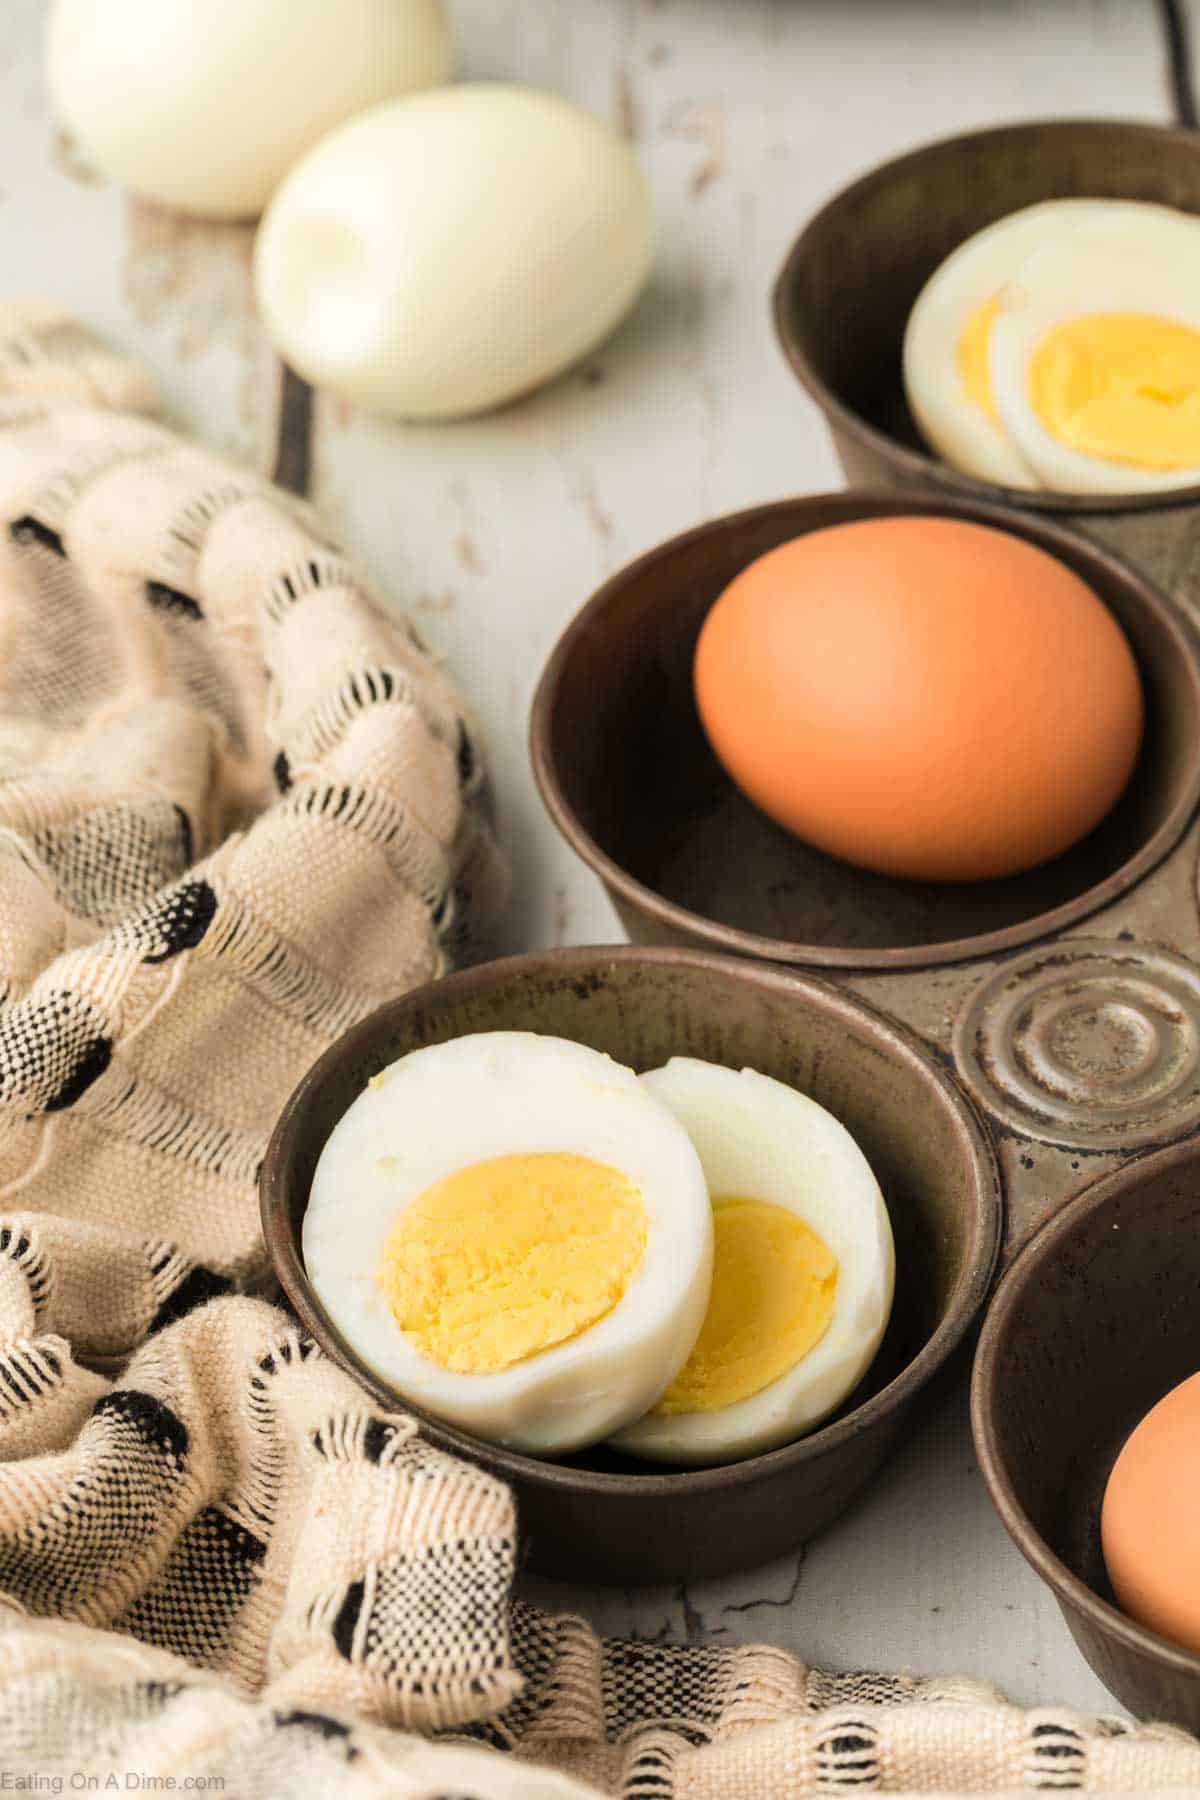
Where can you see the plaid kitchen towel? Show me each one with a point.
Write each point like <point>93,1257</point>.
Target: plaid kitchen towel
<point>239,807</point>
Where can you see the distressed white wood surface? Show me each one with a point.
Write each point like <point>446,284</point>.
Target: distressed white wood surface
<point>746,114</point>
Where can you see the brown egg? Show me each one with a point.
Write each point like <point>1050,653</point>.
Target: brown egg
<point>931,698</point>
<point>1149,1528</point>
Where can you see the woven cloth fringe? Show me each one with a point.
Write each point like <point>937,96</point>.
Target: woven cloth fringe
<point>239,807</point>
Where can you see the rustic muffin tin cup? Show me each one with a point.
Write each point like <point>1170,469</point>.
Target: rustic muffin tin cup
<point>1095,1321</point>
<point>601,1517</point>
<point>844,294</point>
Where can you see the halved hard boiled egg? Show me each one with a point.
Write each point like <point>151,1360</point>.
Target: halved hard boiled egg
<point>803,1274</point>
<point>1058,349</point>
<point>1095,355</point>
<point>516,1234</point>
<point>947,341</point>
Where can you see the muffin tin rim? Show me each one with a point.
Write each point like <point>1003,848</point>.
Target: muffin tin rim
<point>1068,1588</point>
<point>981,1258</point>
<point>893,959</point>
<point>920,466</point>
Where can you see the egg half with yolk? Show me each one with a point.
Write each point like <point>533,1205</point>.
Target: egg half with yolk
<point>1059,348</point>
<point>516,1234</point>
<point>1094,356</point>
<point>946,343</point>
<point>803,1273</point>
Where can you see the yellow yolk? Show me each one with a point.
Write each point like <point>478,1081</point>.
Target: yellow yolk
<point>973,357</point>
<point>508,1257</point>
<point>773,1288</point>
<point>1121,386</point>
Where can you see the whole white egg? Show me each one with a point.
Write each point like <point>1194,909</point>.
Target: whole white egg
<point>516,1235</point>
<point>444,254</point>
<point>803,1272</point>
<point>205,105</point>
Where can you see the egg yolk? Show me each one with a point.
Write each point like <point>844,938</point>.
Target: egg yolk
<point>508,1257</point>
<point>973,357</point>
<point>1124,387</point>
<point>774,1282</point>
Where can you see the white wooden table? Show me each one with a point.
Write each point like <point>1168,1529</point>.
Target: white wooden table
<point>746,114</point>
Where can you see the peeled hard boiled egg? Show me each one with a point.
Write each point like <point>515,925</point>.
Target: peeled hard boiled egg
<point>445,254</point>
<point>205,105</point>
<point>516,1234</point>
<point>1095,356</point>
<point>1060,348</point>
<point>928,697</point>
<point>946,343</point>
<point>802,1275</point>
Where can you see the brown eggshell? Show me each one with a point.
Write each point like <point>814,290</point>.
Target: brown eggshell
<point>928,697</point>
<point>1150,1525</point>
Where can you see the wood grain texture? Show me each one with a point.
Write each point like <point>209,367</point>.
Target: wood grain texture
<point>177,291</point>
<point>745,113</point>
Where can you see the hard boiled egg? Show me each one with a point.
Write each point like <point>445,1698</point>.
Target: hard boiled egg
<point>515,1233</point>
<point>1060,348</point>
<point>206,104</point>
<point>946,343</point>
<point>928,697</point>
<point>1095,355</point>
<point>1148,1519</point>
<point>803,1272</point>
<point>443,255</point>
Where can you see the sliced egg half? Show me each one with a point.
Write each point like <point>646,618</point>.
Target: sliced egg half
<point>803,1274</point>
<point>1094,356</point>
<point>516,1234</point>
<point>1058,348</point>
<point>946,343</point>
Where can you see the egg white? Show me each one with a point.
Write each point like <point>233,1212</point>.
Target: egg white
<point>443,255</point>
<point>1134,258</point>
<point>205,106</point>
<point>961,432</point>
<point>759,1139</point>
<point>440,1109</point>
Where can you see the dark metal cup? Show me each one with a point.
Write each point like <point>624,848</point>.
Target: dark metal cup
<point>848,284</point>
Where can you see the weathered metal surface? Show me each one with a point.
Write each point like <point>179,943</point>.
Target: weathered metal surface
<point>1092,1044</point>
